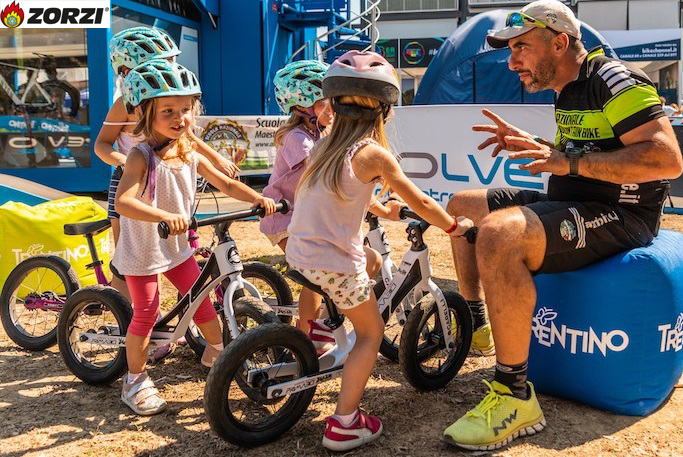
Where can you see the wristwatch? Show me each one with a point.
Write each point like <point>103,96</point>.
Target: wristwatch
<point>574,154</point>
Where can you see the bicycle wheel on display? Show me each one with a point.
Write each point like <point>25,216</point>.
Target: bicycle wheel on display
<point>94,309</point>
<point>238,411</point>
<point>425,360</point>
<point>67,98</point>
<point>32,298</point>
<point>271,285</point>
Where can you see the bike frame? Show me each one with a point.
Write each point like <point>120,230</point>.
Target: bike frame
<point>32,83</point>
<point>226,257</point>
<point>413,275</point>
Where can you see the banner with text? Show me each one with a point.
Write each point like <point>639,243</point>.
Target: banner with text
<point>248,141</point>
<point>439,149</point>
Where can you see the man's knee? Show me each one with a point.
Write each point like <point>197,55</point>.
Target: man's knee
<point>511,232</point>
<point>471,203</point>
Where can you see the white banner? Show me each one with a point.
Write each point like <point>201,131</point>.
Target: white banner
<point>248,141</point>
<point>51,14</point>
<point>439,148</point>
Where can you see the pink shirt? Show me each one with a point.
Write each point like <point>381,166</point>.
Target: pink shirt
<point>326,232</point>
<point>287,170</point>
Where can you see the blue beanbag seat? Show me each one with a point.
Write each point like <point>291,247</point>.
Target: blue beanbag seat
<point>611,334</point>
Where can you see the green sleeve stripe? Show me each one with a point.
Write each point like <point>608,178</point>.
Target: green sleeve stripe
<point>629,101</point>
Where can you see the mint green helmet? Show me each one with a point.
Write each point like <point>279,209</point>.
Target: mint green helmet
<point>299,84</point>
<point>158,78</point>
<point>131,47</point>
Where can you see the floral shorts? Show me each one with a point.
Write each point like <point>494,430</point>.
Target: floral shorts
<point>346,290</point>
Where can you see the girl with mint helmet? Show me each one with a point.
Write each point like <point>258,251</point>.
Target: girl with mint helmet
<point>131,47</point>
<point>158,78</point>
<point>299,84</point>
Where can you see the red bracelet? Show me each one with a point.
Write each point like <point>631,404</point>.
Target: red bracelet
<point>454,226</point>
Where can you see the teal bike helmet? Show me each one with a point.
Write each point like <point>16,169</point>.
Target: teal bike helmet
<point>158,78</point>
<point>131,47</point>
<point>299,84</point>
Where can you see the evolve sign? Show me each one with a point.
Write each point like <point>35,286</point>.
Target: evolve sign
<point>439,149</point>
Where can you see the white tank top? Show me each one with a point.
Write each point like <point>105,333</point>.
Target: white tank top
<point>140,251</point>
<point>125,141</point>
<point>326,232</point>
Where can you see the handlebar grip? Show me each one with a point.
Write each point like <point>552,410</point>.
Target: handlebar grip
<point>405,213</point>
<point>471,235</point>
<point>164,231</point>
<point>283,206</point>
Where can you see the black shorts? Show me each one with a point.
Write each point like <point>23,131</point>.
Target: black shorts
<point>577,233</point>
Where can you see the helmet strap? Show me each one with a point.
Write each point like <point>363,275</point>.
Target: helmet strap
<point>357,112</point>
<point>310,116</point>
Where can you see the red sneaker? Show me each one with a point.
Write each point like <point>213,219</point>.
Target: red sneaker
<point>321,336</point>
<point>365,428</point>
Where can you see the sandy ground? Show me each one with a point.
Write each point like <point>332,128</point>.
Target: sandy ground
<point>48,412</point>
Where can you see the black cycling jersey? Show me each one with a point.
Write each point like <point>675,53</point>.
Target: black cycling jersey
<point>608,98</point>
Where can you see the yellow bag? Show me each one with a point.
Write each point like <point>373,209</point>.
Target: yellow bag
<point>26,231</point>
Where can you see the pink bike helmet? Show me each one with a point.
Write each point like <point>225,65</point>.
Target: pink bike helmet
<point>361,73</point>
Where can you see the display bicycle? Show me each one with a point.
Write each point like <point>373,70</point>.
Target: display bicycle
<point>262,384</point>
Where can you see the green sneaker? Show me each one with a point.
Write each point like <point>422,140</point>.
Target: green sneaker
<point>497,420</point>
<point>482,341</point>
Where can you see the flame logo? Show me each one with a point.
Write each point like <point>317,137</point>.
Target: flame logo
<point>12,16</point>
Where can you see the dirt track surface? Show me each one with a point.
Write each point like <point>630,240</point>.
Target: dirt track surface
<point>48,412</point>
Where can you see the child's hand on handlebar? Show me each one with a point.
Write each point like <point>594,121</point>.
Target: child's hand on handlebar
<point>464,224</point>
<point>177,223</point>
<point>394,208</point>
<point>267,203</point>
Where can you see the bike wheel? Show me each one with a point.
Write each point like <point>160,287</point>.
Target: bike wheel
<point>240,413</point>
<point>59,91</point>
<point>425,360</point>
<point>94,309</point>
<point>249,313</point>
<point>271,285</point>
<point>32,298</point>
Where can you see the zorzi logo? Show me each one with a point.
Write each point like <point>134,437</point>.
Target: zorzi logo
<point>585,341</point>
<point>12,15</point>
<point>45,14</point>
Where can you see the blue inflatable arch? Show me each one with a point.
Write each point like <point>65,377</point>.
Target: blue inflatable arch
<point>467,70</point>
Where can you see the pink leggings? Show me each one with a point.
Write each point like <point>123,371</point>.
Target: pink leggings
<point>144,290</point>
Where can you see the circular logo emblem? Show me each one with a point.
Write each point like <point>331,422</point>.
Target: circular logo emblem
<point>567,230</point>
<point>12,16</point>
<point>551,18</point>
<point>234,256</point>
<point>413,53</point>
<point>228,138</point>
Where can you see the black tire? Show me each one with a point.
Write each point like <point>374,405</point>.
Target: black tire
<point>278,342</point>
<point>422,343</point>
<point>58,90</point>
<point>271,284</point>
<point>43,276</point>
<point>94,308</point>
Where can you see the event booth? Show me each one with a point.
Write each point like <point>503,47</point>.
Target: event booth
<point>467,70</point>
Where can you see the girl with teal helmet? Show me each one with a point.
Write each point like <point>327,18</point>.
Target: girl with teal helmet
<point>127,49</point>
<point>298,90</point>
<point>158,185</point>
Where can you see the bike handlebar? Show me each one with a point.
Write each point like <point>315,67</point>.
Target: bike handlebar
<point>282,207</point>
<point>470,235</point>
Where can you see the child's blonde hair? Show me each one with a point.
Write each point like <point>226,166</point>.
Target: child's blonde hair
<point>144,127</point>
<point>293,122</point>
<point>327,161</point>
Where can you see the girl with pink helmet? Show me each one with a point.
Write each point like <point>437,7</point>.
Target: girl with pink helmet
<point>326,238</point>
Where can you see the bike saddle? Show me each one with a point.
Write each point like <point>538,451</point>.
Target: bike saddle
<point>301,279</point>
<point>83,228</point>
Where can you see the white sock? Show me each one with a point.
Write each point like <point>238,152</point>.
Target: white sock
<point>132,378</point>
<point>218,347</point>
<point>347,419</point>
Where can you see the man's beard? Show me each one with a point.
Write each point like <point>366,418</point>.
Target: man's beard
<point>542,77</point>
